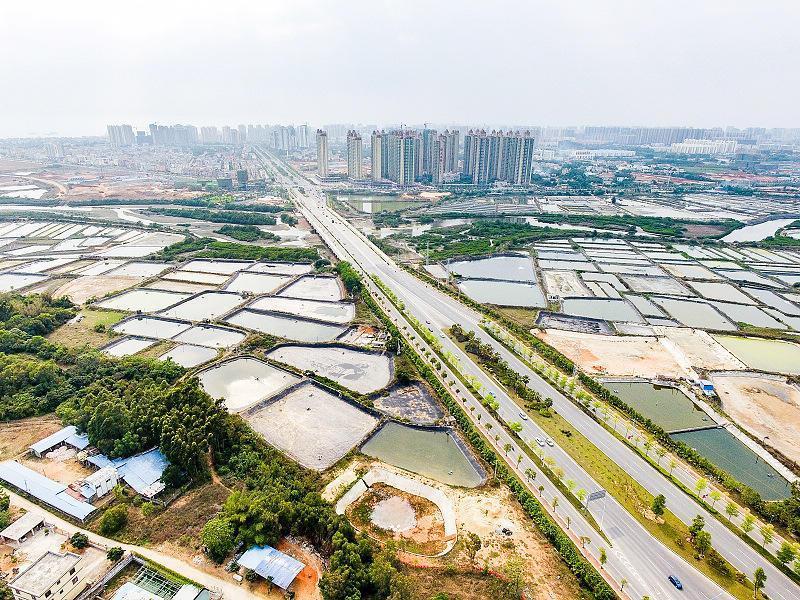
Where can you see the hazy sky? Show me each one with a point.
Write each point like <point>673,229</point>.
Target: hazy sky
<point>68,67</point>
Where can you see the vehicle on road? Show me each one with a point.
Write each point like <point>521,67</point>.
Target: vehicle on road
<point>676,582</point>
<point>549,442</point>
<point>540,441</point>
<point>523,416</point>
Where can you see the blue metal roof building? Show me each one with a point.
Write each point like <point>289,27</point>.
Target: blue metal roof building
<point>68,435</point>
<point>272,564</point>
<point>142,471</point>
<point>46,490</point>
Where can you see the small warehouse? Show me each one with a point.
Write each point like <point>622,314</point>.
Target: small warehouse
<point>271,564</point>
<point>68,436</point>
<point>21,529</point>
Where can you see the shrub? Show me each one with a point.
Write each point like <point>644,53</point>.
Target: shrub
<point>217,537</point>
<point>115,553</point>
<point>114,519</point>
<point>79,540</point>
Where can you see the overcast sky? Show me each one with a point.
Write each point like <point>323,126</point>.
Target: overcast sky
<point>69,67</point>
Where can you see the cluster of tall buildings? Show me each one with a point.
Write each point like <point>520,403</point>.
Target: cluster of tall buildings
<point>278,137</point>
<point>498,156</point>
<point>406,155</point>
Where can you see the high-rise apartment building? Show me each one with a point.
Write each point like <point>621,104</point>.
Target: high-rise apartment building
<point>120,135</point>
<point>209,135</point>
<point>378,159</point>
<point>438,154</point>
<point>355,155</point>
<point>451,151</point>
<point>322,153</point>
<point>498,156</point>
<point>303,136</point>
<point>242,133</point>
<point>404,147</point>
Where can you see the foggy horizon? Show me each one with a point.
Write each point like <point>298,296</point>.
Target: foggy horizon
<point>74,70</point>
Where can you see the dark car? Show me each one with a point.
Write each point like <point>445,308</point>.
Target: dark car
<point>676,582</point>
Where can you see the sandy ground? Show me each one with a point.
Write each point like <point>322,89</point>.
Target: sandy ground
<point>486,512</point>
<point>16,436</point>
<point>564,284</point>
<point>614,355</point>
<point>697,348</point>
<point>59,465</point>
<point>764,407</point>
<point>94,286</point>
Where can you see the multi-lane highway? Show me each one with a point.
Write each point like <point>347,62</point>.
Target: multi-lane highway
<point>634,554</point>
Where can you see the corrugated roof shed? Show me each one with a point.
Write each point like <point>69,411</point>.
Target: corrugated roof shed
<point>142,472</point>
<point>68,434</point>
<point>22,526</point>
<point>271,563</point>
<point>46,490</point>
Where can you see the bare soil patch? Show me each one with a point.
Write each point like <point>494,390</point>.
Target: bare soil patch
<point>614,355</point>
<point>423,533</point>
<point>16,436</point>
<point>79,333</point>
<point>81,289</point>
<point>764,407</point>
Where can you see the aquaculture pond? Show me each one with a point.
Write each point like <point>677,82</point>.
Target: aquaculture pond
<point>242,382</point>
<point>286,327</point>
<point>695,314</point>
<point>599,308</point>
<point>775,356</point>
<point>723,449</point>
<point>188,355</point>
<point>504,293</point>
<point>510,268</point>
<point>666,406</point>
<point>335,312</point>
<point>437,454</point>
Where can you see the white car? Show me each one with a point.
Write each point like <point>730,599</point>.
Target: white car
<point>523,416</point>
<point>549,442</point>
<point>540,441</point>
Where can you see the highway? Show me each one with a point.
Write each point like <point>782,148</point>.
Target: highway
<point>644,562</point>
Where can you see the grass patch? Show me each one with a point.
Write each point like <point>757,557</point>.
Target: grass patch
<point>524,317</point>
<point>93,329</point>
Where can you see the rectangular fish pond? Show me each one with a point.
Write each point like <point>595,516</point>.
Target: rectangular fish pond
<point>504,293</point>
<point>724,450</point>
<point>286,327</point>
<point>510,268</point>
<point>334,312</point>
<point>434,453</point>
<point>243,382</point>
<point>601,308</point>
<point>666,406</point>
<point>774,356</point>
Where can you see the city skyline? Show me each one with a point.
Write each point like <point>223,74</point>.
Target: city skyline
<point>663,63</point>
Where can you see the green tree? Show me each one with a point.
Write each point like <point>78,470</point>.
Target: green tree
<point>603,558</point>
<point>115,553</point>
<point>731,510</point>
<point>659,504</point>
<point>79,540</point>
<point>698,523</point>
<point>787,553</point>
<point>759,580</point>
<point>700,485</point>
<point>767,534</point>
<point>472,545</point>
<point>217,537</point>
<point>114,519</point>
<point>702,542</point>
<point>748,523</point>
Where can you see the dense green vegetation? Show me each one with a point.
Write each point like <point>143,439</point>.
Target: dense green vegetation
<point>666,226</point>
<point>288,218</point>
<point>483,237</point>
<point>125,405</point>
<point>210,248</point>
<point>246,233</point>
<point>238,217</point>
<point>228,202</point>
